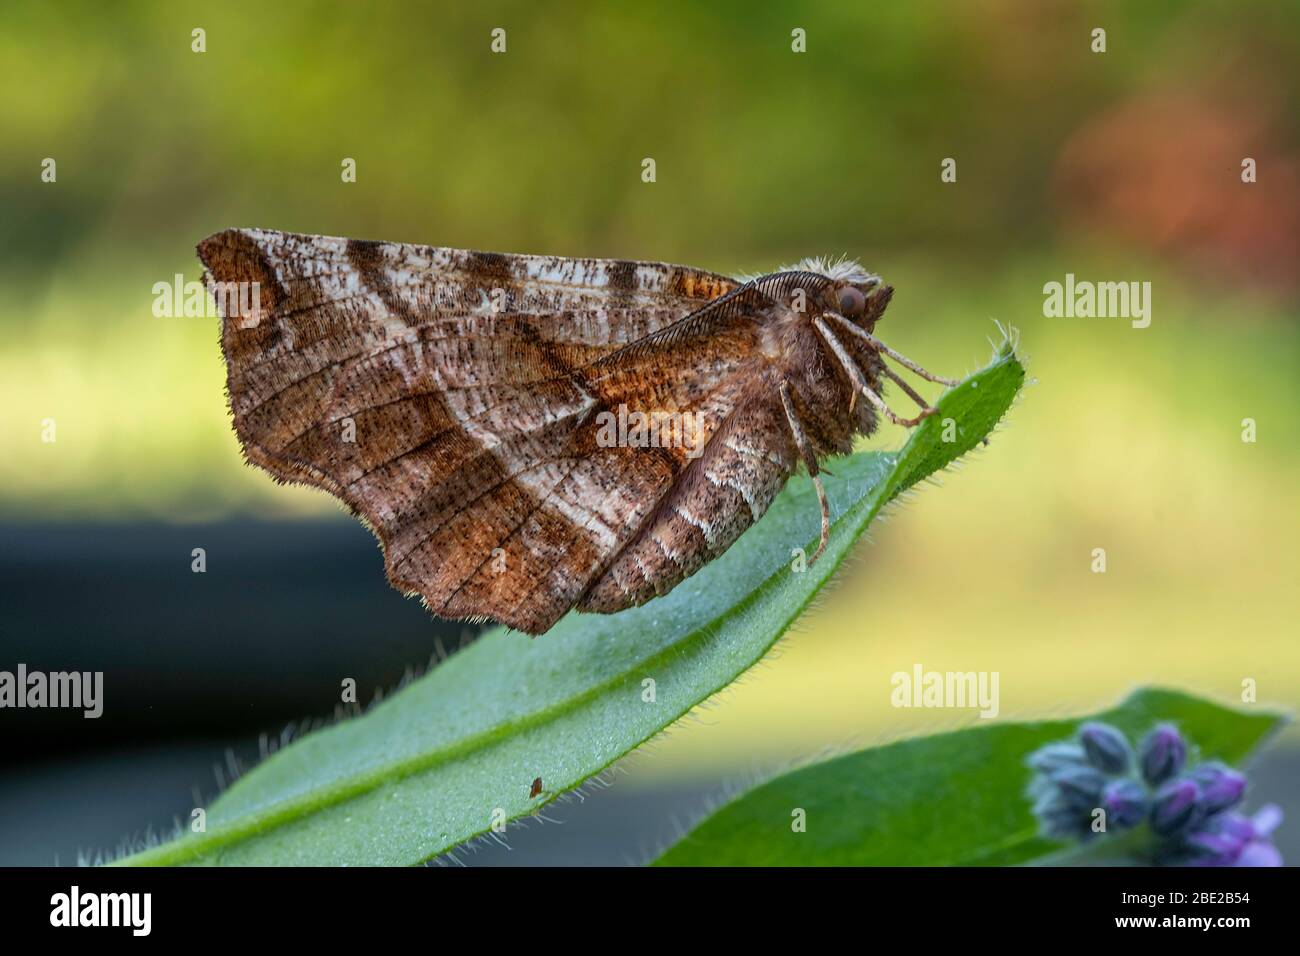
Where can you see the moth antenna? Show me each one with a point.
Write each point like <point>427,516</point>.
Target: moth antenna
<point>809,459</point>
<point>898,357</point>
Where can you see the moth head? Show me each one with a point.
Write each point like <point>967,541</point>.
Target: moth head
<point>861,301</point>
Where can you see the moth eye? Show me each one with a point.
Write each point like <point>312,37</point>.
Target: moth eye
<point>852,302</point>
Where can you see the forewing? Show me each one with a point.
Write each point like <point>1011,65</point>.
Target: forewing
<point>411,382</point>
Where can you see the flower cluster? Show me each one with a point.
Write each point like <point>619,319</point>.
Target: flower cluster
<point>1096,784</point>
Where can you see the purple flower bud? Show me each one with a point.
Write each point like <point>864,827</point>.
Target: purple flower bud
<point>1266,819</point>
<point>1221,787</point>
<point>1236,826</point>
<point>1080,787</point>
<point>1258,850</point>
<point>1055,757</point>
<point>1174,806</point>
<point>1213,849</point>
<point>1057,819</point>
<point>1259,853</point>
<point>1125,803</point>
<point>1230,839</point>
<point>1105,747</point>
<point>1162,754</point>
<point>1190,814</point>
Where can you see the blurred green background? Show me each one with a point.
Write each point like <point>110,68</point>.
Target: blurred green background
<point>1116,166</point>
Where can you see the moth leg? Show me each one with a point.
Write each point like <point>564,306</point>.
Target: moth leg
<point>884,349</point>
<point>846,361</point>
<point>901,383</point>
<point>889,412</point>
<point>826,518</point>
<point>809,459</point>
<point>860,383</point>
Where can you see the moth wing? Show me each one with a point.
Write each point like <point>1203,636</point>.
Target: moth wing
<point>712,365</point>
<point>715,499</point>
<point>407,381</point>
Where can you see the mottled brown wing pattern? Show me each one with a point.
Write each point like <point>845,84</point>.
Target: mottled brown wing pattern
<point>749,456</point>
<point>462,404</point>
<point>718,496</point>
<point>448,398</point>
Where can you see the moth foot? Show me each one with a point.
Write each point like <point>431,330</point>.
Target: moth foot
<point>826,518</point>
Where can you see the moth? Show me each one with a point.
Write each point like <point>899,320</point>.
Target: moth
<point>529,434</point>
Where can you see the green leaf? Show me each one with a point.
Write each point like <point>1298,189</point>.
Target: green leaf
<point>949,799</point>
<point>438,762</point>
